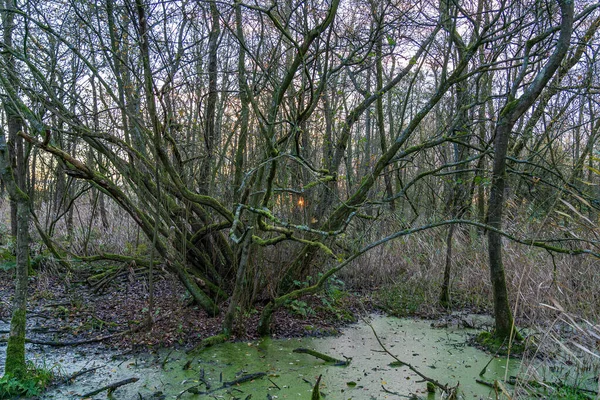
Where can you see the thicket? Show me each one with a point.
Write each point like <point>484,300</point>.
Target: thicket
<point>244,147</point>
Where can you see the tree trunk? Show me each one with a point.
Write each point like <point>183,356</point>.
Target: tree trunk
<point>240,286</point>
<point>387,175</point>
<point>211,102</point>
<point>445,291</point>
<point>510,113</point>
<point>15,352</point>
<point>245,109</point>
<point>502,311</point>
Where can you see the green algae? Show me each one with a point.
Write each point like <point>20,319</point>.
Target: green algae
<point>442,354</point>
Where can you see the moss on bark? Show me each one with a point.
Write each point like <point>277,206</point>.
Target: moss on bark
<point>15,352</point>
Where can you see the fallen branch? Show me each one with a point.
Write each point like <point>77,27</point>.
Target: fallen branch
<point>499,388</point>
<point>244,378</point>
<point>60,303</point>
<point>483,371</point>
<point>274,384</point>
<point>485,383</point>
<point>395,393</point>
<point>38,330</point>
<point>72,377</point>
<point>80,342</point>
<point>450,391</point>
<point>225,385</point>
<point>192,389</point>
<point>322,356</point>
<point>112,387</point>
<point>69,343</point>
<point>164,362</point>
<point>76,342</point>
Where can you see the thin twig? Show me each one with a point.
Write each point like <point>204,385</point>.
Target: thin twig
<point>79,373</point>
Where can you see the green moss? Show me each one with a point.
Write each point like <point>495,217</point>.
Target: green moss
<point>509,107</point>
<point>487,339</point>
<point>267,242</point>
<point>209,342</point>
<point>494,344</point>
<point>15,351</point>
<point>430,387</point>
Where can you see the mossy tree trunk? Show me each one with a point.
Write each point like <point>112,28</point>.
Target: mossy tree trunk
<point>510,113</point>
<point>15,351</point>
<point>15,181</point>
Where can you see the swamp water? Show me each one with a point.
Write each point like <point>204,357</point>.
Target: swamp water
<point>439,353</point>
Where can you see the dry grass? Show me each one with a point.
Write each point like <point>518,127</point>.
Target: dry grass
<point>89,236</point>
<point>567,354</point>
<point>534,276</point>
<point>413,264</point>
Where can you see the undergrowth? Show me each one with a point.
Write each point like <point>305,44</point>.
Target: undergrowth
<point>36,381</point>
<point>403,299</point>
<point>406,275</point>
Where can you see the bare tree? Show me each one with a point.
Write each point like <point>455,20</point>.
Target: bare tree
<point>514,109</point>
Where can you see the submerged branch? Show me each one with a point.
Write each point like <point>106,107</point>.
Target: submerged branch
<point>242,379</point>
<point>112,387</point>
<point>322,356</point>
<point>445,388</point>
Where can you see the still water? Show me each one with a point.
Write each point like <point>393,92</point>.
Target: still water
<point>439,353</point>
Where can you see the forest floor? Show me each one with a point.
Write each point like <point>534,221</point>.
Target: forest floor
<point>65,309</point>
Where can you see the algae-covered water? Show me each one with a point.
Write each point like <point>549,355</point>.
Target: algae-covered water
<point>439,353</point>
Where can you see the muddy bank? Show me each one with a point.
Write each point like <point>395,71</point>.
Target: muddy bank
<point>69,309</point>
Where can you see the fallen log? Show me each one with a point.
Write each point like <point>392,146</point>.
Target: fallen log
<point>485,383</point>
<point>112,387</point>
<point>74,342</point>
<point>208,342</point>
<point>97,339</point>
<point>243,379</point>
<point>68,343</point>
<point>322,356</point>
